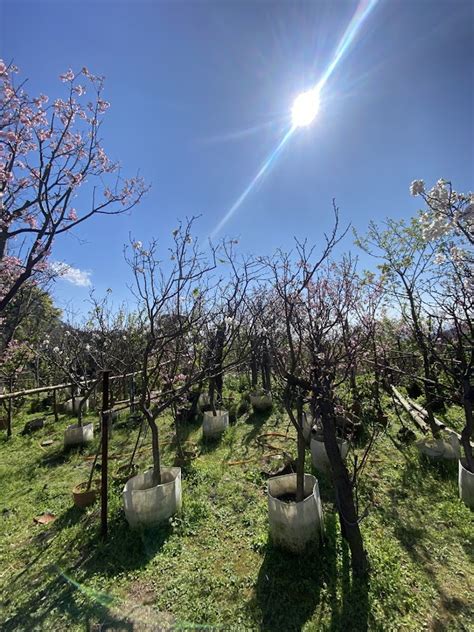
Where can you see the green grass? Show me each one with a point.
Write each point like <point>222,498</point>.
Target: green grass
<point>213,566</point>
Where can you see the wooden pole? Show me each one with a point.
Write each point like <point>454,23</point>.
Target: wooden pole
<point>132,394</point>
<point>105,450</point>
<point>10,410</point>
<point>52,387</point>
<point>73,400</point>
<point>55,405</point>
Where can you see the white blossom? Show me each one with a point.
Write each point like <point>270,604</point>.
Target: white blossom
<point>417,187</point>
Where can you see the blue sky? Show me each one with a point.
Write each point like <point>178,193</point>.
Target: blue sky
<point>201,94</point>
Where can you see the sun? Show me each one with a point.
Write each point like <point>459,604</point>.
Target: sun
<point>305,107</point>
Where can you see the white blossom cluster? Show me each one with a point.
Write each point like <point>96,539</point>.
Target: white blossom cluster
<point>449,216</point>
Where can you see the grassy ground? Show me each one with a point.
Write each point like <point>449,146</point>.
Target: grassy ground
<point>213,567</point>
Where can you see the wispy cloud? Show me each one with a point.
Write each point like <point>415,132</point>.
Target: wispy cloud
<point>81,278</point>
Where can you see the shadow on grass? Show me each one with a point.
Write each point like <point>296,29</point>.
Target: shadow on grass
<point>69,599</point>
<point>288,589</point>
<point>291,590</point>
<point>65,588</point>
<point>326,487</point>
<point>256,420</point>
<point>425,474</point>
<point>61,456</point>
<point>125,549</point>
<point>207,445</point>
<point>350,611</point>
<point>413,518</point>
<point>70,517</point>
<point>56,594</point>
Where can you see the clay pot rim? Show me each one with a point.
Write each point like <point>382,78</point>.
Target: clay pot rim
<point>95,487</point>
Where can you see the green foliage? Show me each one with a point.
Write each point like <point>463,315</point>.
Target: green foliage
<point>29,317</point>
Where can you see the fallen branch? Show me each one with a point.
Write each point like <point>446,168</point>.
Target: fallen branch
<point>440,424</point>
<point>415,415</point>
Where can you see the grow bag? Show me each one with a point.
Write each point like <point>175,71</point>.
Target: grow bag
<point>261,401</point>
<point>203,400</point>
<point>294,525</point>
<point>147,504</point>
<point>466,484</point>
<point>440,448</point>
<point>320,457</point>
<point>214,425</point>
<point>78,435</point>
<point>68,406</point>
<point>308,423</point>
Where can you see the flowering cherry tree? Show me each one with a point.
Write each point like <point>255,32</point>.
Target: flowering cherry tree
<point>54,172</point>
<point>448,227</point>
<point>448,213</point>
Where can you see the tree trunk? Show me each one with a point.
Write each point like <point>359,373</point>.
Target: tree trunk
<point>155,446</point>
<point>301,456</point>
<point>343,487</point>
<point>73,403</point>
<point>132,394</point>
<point>254,372</point>
<point>267,370</point>
<point>212,396</point>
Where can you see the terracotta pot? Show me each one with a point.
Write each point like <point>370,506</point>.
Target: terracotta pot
<point>83,497</point>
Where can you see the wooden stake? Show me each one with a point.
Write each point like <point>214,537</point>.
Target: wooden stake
<point>55,406</point>
<point>10,410</point>
<point>105,450</point>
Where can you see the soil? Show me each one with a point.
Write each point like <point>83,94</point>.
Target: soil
<point>82,487</point>
<point>291,497</point>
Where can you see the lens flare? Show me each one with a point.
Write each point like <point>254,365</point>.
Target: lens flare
<point>306,105</point>
<point>261,172</point>
<point>362,12</point>
<point>305,108</point>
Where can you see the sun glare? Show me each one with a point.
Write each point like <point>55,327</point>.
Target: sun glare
<point>305,107</point>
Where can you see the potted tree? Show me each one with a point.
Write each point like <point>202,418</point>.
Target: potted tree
<point>313,295</point>
<point>227,342</point>
<point>172,308</point>
<point>215,417</point>
<point>451,307</point>
<point>260,363</point>
<point>67,353</point>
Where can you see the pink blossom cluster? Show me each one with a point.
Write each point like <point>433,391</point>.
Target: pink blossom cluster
<point>14,357</point>
<point>48,149</point>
